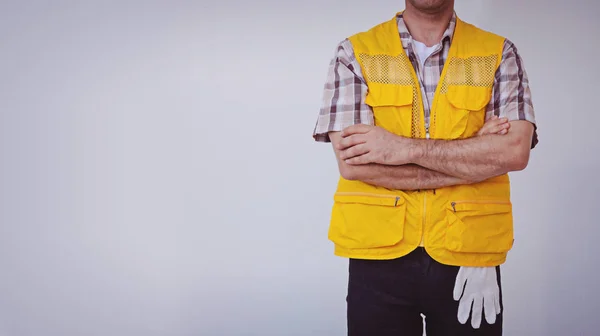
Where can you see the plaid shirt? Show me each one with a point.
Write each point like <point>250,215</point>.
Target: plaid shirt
<point>345,89</point>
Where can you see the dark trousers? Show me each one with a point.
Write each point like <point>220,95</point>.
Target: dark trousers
<point>387,298</point>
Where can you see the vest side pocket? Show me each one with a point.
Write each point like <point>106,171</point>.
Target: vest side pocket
<point>468,115</point>
<point>482,226</point>
<point>364,220</point>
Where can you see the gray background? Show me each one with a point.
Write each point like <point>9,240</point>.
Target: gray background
<point>158,175</point>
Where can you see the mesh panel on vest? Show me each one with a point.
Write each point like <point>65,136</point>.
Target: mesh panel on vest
<point>387,69</point>
<point>476,71</point>
<point>471,71</point>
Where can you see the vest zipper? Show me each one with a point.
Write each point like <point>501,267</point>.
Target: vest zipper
<point>453,204</point>
<point>426,131</point>
<point>397,198</point>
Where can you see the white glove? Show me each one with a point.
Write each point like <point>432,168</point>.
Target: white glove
<point>481,290</point>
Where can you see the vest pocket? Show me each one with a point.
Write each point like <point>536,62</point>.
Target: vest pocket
<point>479,227</point>
<point>392,106</point>
<point>469,104</point>
<point>364,220</point>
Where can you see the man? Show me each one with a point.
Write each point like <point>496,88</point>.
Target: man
<point>427,114</point>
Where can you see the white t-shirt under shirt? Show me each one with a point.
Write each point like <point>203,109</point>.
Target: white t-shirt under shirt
<point>423,51</point>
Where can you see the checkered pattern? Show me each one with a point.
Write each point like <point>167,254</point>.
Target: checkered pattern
<point>345,89</point>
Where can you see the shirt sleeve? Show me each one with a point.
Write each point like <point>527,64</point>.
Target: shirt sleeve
<point>343,95</point>
<point>511,94</point>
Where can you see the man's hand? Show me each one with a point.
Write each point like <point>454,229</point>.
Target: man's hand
<point>362,144</point>
<point>495,125</point>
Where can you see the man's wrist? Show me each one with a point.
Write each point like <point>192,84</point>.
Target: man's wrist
<point>398,153</point>
<point>417,149</point>
<point>406,151</point>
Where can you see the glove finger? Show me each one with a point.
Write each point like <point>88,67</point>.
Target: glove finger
<point>464,309</point>
<point>489,309</point>
<point>459,287</point>
<point>477,312</point>
<point>459,284</point>
<point>497,303</point>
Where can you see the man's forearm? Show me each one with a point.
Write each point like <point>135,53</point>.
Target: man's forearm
<point>477,158</point>
<point>405,177</point>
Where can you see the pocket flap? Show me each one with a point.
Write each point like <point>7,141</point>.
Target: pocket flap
<point>382,200</point>
<point>389,95</point>
<point>473,98</point>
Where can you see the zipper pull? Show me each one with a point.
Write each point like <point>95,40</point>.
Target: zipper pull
<point>397,199</point>
<point>454,206</point>
<point>427,132</point>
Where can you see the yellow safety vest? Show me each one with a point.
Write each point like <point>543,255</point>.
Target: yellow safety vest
<point>467,225</point>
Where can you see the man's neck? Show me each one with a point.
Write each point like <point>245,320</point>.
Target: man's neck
<point>427,27</point>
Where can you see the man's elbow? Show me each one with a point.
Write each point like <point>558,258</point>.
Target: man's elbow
<point>518,146</point>
<point>349,172</point>
<point>519,155</point>
<point>519,163</point>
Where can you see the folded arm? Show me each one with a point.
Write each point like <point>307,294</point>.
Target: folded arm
<point>477,158</point>
<point>404,177</point>
<point>474,159</point>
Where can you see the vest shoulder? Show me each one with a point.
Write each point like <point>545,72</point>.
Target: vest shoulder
<point>477,33</point>
<point>371,32</point>
<point>376,38</point>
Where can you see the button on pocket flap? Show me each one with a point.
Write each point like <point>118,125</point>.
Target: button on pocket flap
<point>389,95</point>
<point>472,98</point>
<point>382,200</point>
